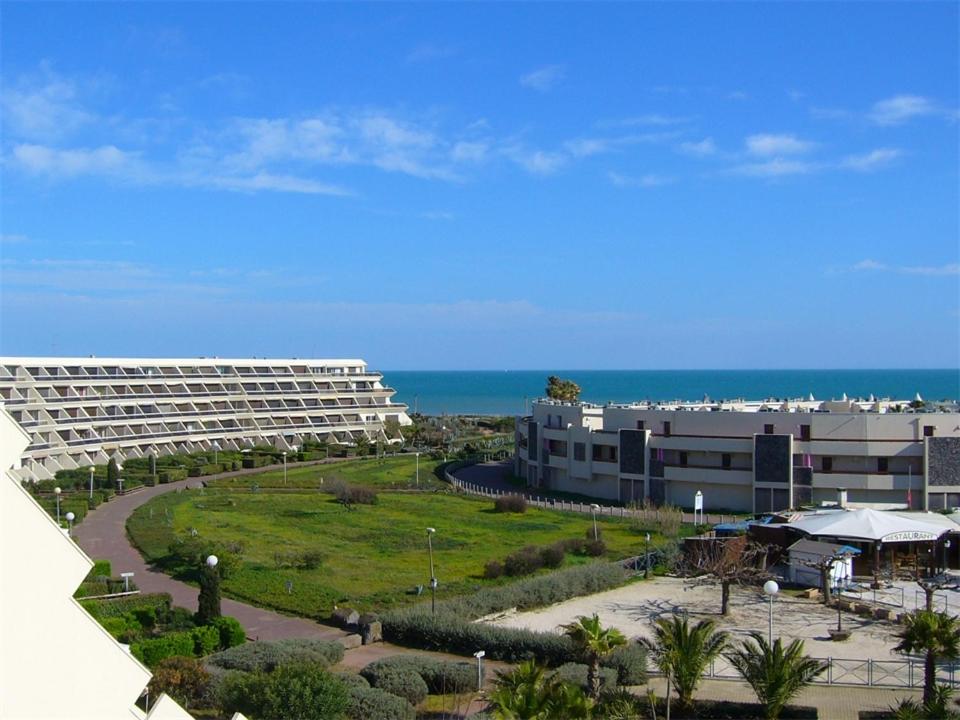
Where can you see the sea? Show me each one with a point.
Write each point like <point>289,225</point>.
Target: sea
<point>510,392</point>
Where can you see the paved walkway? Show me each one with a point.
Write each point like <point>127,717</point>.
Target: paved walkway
<point>833,702</point>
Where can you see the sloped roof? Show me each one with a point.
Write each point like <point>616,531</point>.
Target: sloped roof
<point>868,524</point>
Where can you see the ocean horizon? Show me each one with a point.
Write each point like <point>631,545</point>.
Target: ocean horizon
<point>509,392</point>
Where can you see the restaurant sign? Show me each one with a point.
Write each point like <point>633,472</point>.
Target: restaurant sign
<point>908,536</point>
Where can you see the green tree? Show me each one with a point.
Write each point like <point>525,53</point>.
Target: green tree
<point>595,643</point>
<point>937,636</point>
<point>775,673</point>
<point>304,691</point>
<point>529,693</point>
<point>362,444</point>
<point>209,600</point>
<point>683,653</point>
<point>113,473</point>
<point>182,678</point>
<point>559,389</point>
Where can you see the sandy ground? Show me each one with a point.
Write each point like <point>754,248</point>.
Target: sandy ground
<point>632,608</point>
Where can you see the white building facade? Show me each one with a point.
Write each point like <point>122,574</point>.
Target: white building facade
<point>81,411</point>
<point>744,456</point>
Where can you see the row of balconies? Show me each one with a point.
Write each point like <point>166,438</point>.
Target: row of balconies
<point>223,394</point>
<point>24,375</point>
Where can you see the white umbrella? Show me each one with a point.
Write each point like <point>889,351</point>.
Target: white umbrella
<point>867,524</point>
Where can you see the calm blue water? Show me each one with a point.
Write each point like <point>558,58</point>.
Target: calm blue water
<point>504,393</point>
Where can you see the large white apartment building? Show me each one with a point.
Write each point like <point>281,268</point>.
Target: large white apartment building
<point>744,456</point>
<point>81,411</point>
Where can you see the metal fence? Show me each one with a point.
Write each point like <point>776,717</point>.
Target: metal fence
<point>900,673</point>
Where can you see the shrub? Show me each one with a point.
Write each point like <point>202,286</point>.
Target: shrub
<point>552,555</point>
<point>493,569</point>
<point>352,680</point>
<point>194,471</point>
<point>524,561</point>
<point>302,690</point>
<point>116,607</point>
<point>172,475</point>
<point>183,679</point>
<point>376,704</point>
<point>589,534</point>
<point>353,494</point>
<point>146,616</point>
<point>440,676</point>
<point>398,680</point>
<point>576,674</point>
<point>630,662</point>
<point>594,548</point>
<point>230,630</point>
<point>510,504</point>
<point>206,640</point>
<point>266,656</point>
<point>151,652</point>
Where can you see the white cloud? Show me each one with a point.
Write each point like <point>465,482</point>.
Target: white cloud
<point>43,107</point>
<point>926,270</point>
<point>768,145</point>
<point>869,265</point>
<point>901,108</point>
<point>43,160</point>
<point>873,160</point>
<point>12,238</point>
<point>466,151</point>
<point>585,147</point>
<point>540,162</point>
<point>275,183</point>
<point>777,167</point>
<point>647,181</point>
<point>648,119</point>
<point>544,78</point>
<point>703,148</point>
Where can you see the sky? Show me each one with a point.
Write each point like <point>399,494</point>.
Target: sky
<point>483,186</point>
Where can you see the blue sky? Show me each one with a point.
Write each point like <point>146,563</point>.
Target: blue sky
<point>484,186</point>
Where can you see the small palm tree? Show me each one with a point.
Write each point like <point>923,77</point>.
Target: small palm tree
<point>595,642</point>
<point>683,653</point>
<point>775,673</point>
<point>936,635</point>
<point>528,693</point>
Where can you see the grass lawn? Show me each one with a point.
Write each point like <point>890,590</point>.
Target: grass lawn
<point>371,556</point>
<point>396,472</point>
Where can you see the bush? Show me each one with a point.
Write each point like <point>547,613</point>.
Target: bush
<point>206,640</point>
<point>117,607</point>
<point>151,652</point>
<point>589,534</point>
<point>352,494</point>
<point>576,674</point>
<point>266,656</point>
<point>302,690</point>
<point>440,676</point>
<point>172,475</point>
<point>552,555</point>
<point>230,630</point>
<point>594,548</point>
<point>510,504</point>
<point>352,680</point>
<point>630,662</point>
<point>183,679</point>
<point>376,704</point>
<point>194,471</point>
<point>146,616</point>
<point>524,561</point>
<point>397,679</point>
<point>493,569</point>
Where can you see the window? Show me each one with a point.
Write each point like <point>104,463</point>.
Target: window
<point>768,429</point>
<point>804,432</point>
<point>666,427</point>
<point>826,464</point>
<point>882,464</point>
<point>725,461</point>
<point>683,459</point>
<point>579,452</point>
<point>639,424</point>
<point>928,430</point>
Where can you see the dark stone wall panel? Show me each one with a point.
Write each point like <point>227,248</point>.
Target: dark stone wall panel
<point>943,457</point>
<point>533,442</point>
<point>771,459</point>
<point>633,451</point>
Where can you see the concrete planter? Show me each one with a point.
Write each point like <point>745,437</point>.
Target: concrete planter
<point>839,635</point>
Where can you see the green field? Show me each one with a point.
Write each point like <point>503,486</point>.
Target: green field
<point>370,557</point>
<point>396,472</point>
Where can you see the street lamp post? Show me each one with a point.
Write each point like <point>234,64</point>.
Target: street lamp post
<point>593,509</point>
<point>56,492</point>
<point>284,467</point>
<point>91,481</point>
<point>418,468</point>
<point>479,654</point>
<point>946,553</point>
<point>646,563</point>
<point>433,578</point>
<point>70,516</point>
<point>120,479</point>
<point>216,449</point>
<point>771,588</point>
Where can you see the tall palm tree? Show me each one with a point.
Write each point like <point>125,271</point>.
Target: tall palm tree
<point>529,693</point>
<point>937,636</point>
<point>775,673</point>
<point>682,652</point>
<point>595,642</point>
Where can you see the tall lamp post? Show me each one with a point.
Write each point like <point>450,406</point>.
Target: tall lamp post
<point>91,481</point>
<point>284,467</point>
<point>479,654</point>
<point>433,578</point>
<point>56,492</point>
<point>120,479</point>
<point>771,588</point>
<point>646,550</point>
<point>593,509</point>
<point>418,467</point>
<point>216,449</point>
<point>70,516</point>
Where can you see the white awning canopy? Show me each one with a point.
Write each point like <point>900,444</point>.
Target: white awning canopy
<point>869,525</point>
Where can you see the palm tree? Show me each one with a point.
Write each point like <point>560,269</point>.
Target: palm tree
<point>682,653</point>
<point>776,674</point>
<point>595,642</point>
<point>528,693</point>
<point>936,635</point>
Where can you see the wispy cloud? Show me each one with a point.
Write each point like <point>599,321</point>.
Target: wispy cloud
<point>869,265</point>
<point>649,119</point>
<point>13,238</point>
<point>701,148</point>
<point>649,180</point>
<point>873,160</point>
<point>537,162</point>
<point>104,160</point>
<point>469,151</point>
<point>900,109</point>
<point>43,106</point>
<point>543,79</point>
<point>777,167</point>
<point>768,145</point>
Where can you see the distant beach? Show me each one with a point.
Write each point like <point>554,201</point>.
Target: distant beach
<point>509,392</point>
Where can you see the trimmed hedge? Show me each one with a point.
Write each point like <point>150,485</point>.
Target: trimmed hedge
<point>630,662</point>
<point>440,676</point>
<point>510,504</point>
<point>397,679</point>
<point>171,475</point>
<point>376,704</point>
<point>263,655</point>
<point>206,640</point>
<point>102,609</point>
<point>151,652</point>
<point>230,630</point>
